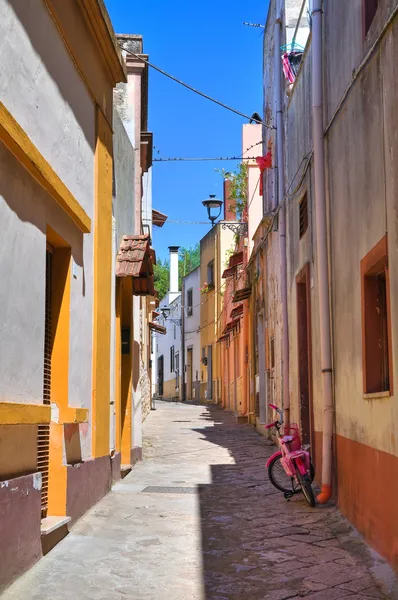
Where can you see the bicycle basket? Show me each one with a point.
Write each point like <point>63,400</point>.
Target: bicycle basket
<point>293,430</point>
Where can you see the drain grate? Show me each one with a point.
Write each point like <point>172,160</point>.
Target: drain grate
<point>157,489</point>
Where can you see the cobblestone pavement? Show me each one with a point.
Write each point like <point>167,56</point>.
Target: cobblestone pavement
<point>224,534</point>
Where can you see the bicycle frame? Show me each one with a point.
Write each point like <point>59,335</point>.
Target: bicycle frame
<point>292,461</point>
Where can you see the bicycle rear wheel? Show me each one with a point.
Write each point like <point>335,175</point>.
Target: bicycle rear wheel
<point>278,477</point>
<point>305,483</point>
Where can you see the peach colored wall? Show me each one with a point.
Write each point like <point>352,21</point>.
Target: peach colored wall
<point>251,135</point>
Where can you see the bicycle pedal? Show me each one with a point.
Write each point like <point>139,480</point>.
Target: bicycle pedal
<point>288,495</point>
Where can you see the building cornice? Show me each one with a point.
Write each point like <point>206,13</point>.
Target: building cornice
<point>99,23</point>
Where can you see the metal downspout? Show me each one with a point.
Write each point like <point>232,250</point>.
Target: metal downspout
<point>282,218</point>
<point>322,250</point>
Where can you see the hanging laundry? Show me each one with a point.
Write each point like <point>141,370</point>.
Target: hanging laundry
<point>291,63</point>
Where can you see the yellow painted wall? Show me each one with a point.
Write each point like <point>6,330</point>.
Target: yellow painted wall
<point>213,247</point>
<point>102,288</point>
<point>169,389</point>
<point>59,376</point>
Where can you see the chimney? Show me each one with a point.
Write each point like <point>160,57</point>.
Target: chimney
<point>229,203</point>
<point>173,287</point>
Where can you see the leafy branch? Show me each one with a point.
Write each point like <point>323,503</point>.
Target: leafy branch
<point>238,187</point>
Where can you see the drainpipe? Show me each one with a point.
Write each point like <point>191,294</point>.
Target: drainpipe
<point>183,388</point>
<point>322,250</point>
<point>282,216</point>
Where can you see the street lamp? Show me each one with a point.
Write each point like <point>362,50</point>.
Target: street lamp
<point>212,205</point>
<point>165,311</point>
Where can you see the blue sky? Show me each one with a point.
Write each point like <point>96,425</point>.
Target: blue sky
<point>205,44</point>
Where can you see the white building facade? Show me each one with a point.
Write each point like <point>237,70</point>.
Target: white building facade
<point>168,356</point>
<point>191,334</point>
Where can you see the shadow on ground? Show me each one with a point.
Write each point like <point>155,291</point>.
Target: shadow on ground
<point>257,545</point>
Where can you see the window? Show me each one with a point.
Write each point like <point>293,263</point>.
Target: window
<point>172,359</point>
<point>210,274</point>
<point>204,359</point>
<point>369,10</point>
<point>303,212</point>
<point>190,303</point>
<point>376,330</point>
<point>175,332</point>
<point>272,352</point>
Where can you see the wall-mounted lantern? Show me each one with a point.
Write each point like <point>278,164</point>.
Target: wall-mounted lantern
<point>213,207</point>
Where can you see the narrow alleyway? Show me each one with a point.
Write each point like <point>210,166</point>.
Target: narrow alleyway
<point>199,520</point>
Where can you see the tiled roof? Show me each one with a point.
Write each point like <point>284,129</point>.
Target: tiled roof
<point>158,218</point>
<point>156,327</point>
<point>231,325</point>
<point>136,259</point>
<point>236,259</point>
<point>228,272</point>
<point>242,294</point>
<point>134,251</point>
<point>237,311</point>
<point>223,338</point>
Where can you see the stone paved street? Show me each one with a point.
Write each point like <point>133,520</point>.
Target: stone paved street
<point>227,535</point>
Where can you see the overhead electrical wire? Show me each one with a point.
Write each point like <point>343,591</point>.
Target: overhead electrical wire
<point>178,159</point>
<point>306,159</point>
<point>189,87</point>
<point>172,159</point>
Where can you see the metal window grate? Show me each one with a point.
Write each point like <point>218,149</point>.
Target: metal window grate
<point>303,210</point>
<point>43,432</point>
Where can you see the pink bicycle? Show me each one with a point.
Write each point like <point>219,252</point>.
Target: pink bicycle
<point>290,469</point>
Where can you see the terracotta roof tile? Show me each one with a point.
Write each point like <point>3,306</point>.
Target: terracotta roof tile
<point>223,338</point>
<point>242,294</point>
<point>158,218</point>
<point>228,272</point>
<point>231,325</point>
<point>136,259</point>
<point>236,259</point>
<point>156,327</point>
<point>237,311</point>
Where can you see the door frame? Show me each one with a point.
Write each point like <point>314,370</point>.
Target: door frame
<point>160,374</point>
<point>304,346</point>
<point>262,368</point>
<point>190,372</point>
<point>209,372</point>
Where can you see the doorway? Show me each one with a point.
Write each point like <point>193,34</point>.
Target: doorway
<point>190,373</point>
<point>160,375</point>
<point>262,383</point>
<point>304,355</point>
<point>209,372</point>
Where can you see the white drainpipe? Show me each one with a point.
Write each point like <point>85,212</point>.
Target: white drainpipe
<point>322,249</point>
<point>282,215</point>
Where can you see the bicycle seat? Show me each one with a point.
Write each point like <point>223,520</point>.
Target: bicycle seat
<point>288,438</point>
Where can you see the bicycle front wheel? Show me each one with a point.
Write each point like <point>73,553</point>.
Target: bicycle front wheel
<point>305,483</point>
<point>278,477</point>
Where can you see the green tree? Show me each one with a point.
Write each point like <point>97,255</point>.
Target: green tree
<point>189,260</point>
<point>238,186</point>
<point>161,273</point>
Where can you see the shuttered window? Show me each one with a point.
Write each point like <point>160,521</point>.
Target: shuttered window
<point>303,211</point>
<point>370,9</point>
<point>43,439</point>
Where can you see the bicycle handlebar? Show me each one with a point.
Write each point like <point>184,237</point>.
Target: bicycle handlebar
<point>275,423</point>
